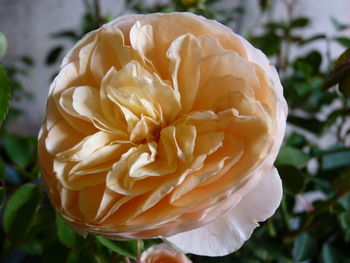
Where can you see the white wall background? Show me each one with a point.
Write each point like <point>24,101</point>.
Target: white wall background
<point>29,23</point>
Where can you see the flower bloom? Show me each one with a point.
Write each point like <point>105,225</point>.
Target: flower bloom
<point>164,125</point>
<point>163,253</point>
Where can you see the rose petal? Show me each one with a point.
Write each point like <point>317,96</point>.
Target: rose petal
<point>228,233</point>
<point>184,54</point>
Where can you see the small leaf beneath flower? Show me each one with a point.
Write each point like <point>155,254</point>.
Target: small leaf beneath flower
<point>124,248</point>
<point>66,234</point>
<point>20,211</point>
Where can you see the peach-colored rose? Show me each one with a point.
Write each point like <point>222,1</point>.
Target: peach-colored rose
<point>162,253</point>
<point>164,125</point>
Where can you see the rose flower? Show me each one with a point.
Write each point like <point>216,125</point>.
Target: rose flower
<point>162,253</point>
<point>164,125</point>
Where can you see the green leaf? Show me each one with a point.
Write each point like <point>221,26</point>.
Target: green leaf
<point>53,55</point>
<point>338,25</point>
<point>330,254</point>
<point>3,45</point>
<point>341,69</point>
<point>66,234</point>
<point>343,41</point>
<point>2,196</point>
<point>124,248</point>
<point>27,60</point>
<point>66,34</point>
<point>83,256</point>
<point>342,182</point>
<point>269,43</point>
<point>33,246</point>
<point>293,179</point>
<point>335,160</point>
<point>54,252</point>
<point>20,211</point>
<point>311,39</point>
<point>299,22</point>
<point>5,96</point>
<point>19,149</point>
<point>309,124</point>
<point>2,170</point>
<point>344,86</point>
<point>292,156</point>
<point>303,247</point>
<point>296,140</point>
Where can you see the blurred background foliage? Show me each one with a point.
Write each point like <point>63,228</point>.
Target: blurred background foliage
<point>313,221</point>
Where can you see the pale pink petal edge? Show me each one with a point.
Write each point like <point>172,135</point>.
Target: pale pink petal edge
<point>227,233</point>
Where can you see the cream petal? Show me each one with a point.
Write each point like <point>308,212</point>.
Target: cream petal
<point>228,232</point>
<point>135,80</point>
<point>110,111</point>
<point>151,35</point>
<point>89,200</point>
<point>182,139</point>
<point>256,56</point>
<point>120,177</point>
<point>216,87</point>
<point>100,160</point>
<point>209,45</point>
<point>99,51</point>
<point>184,54</point>
<point>62,173</point>
<point>227,63</point>
<point>86,147</point>
<point>85,101</point>
<point>61,137</point>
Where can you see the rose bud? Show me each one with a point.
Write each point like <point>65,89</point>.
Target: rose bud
<point>163,253</point>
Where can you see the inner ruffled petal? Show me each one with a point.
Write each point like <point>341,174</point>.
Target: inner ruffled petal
<point>185,54</point>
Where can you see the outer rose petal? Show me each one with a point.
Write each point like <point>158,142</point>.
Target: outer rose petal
<point>228,232</point>
<point>162,253</point>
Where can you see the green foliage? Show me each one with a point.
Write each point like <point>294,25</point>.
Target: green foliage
<point>3,44</point>
<point>4,94</point>
<point>292,178</point>
<point>292,156</point>
<point>341,73</point>
<point>20,211</point>
<point>304,247</point>
<point>19,149</point>
<point>66,234</point>
<point>126,248</point>
<point>54,55</point>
